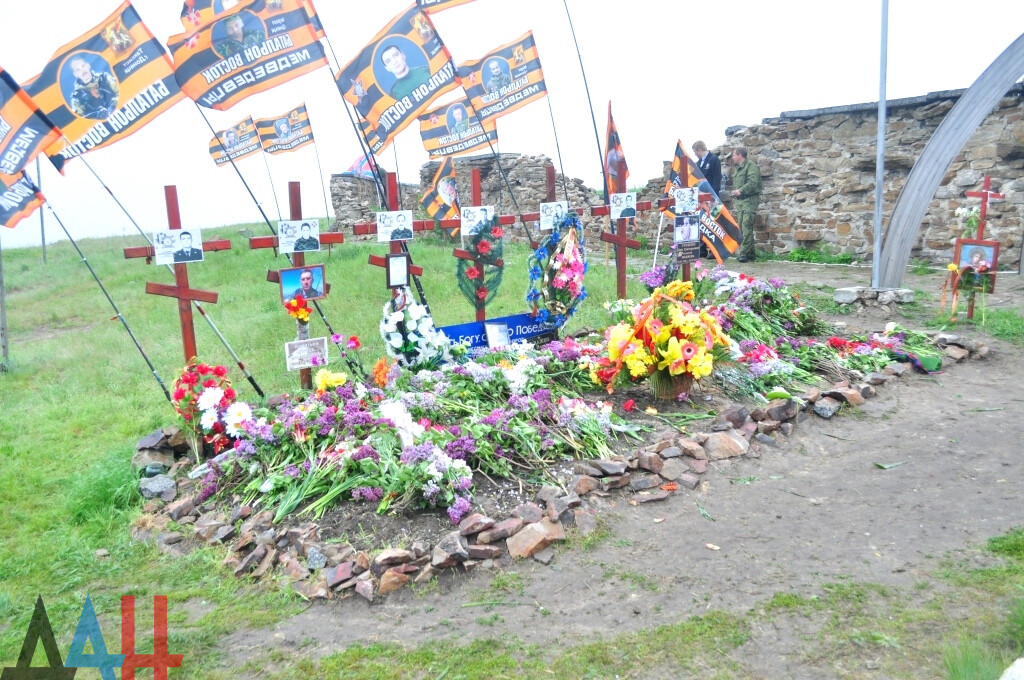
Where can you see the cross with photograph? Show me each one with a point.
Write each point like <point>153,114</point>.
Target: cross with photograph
<point>394,226</point>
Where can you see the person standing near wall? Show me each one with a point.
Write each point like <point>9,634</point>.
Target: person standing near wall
<point>747,191</point>
<point>709,164</point>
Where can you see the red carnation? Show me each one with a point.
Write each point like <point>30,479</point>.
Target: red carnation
<point>179,394</point>
<point>229,393</point>
<point>472,273</point>
<point>629,405</point>
<point>210,383</point>
<point>203,369</point>
<point>481,293</point>
<point>220,371</point>
<point>483,247</point>
<point>497,232</point>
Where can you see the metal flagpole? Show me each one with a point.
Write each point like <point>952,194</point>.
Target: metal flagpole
<point>558,150</point>
<point>876,257</point>
<point>272,189</point>
<point>657,243</point>
<point>117,311</point>
<point>198,305</point>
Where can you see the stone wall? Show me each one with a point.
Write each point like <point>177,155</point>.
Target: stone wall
<point>818,169</point>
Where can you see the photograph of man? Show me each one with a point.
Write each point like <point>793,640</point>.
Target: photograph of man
<point>407,78</point>
<point>239,36</point>
<point>497,75</point>
<point>448,190</point>
<point>307,239</point>
<point>402,230</point>
<point>686,199</point>
<point>95,92</point>
<point>284,130</point>
<point>709,164</point>
<point>458,119</point>
<point>230,139</point>
<point>686,229</point>
<point>185,251</point>
<point>629,207</point>
<point>306,288</point>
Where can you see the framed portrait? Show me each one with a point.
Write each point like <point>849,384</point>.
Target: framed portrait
<point>497,334</point>
<point>310,282</point>
<point>686,228</point>
<point>686,199</point>
<point>394,226</point>
<point>552,214</point>
<point>305,353</point>
<point>623,205</point>
<point>982,257</point>
<point>298,236</point>
<point>398,270</point>
<point>174,246</point>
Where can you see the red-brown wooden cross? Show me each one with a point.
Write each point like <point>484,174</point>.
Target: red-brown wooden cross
<point>481,312</point>
<point>395,247</point>
<point>181,289</point>
<point>985,194</point>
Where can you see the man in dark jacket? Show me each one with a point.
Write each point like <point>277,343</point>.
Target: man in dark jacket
<point>709,164</point>
<point>747,191</point>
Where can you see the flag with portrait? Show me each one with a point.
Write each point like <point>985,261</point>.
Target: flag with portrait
<point>195,13</point>
<point>718,229</point>
<point>287,132</point>
<point>18,198</point>
<point>25,131</point>
<point>452,129</point>
<point>614,160</point>
<point>505,80</point>
<point>396,77</point>
<point>442,199</point>
<point>432,6</point>
<point>235,143</point>
<point>258,45</point>
<point>104,85</point>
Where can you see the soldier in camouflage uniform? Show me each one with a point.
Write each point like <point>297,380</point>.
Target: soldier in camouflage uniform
<point>238,38</point>
<point>747,190</point>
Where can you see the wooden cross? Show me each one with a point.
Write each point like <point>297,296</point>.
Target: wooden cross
<point>985,194</point>
<point>364,228</point>
<point>481,312</point>
<point>298,258</point>
<point>181,289</point>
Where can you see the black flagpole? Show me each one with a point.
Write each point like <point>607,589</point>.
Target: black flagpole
<point>266,219</point>
<point>558,150</point>
<point>199,307</point>
<point>92,271</point>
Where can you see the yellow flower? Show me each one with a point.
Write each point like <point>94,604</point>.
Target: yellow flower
<point>618,336</point>
<point>688,323</point>
<point>700,366</point>
<point>671,353</point>
<point>326,380</point>
<point>651,411</point>
<point>952,267</point>
<point>680,289</point>
<point>638,362</point>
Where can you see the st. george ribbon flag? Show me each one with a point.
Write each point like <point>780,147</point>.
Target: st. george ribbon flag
<point>257,46</point>
<point>504,80</point>
<point>432,6</point>
<point>287,132</point>
<point>718,230</point>
<point>104,85</point>
<point>238,141</point>
<point>396,77</point>
<point>18,199</point>
<point>25,131</point>
<point>451,129</point>
<point>195,13</point>
<point>441,201</point>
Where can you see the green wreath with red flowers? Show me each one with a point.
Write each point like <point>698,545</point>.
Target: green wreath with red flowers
<point>479,279</point>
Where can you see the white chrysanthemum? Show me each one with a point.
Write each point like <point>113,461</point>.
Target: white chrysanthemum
<point>395,340</point>
<point>208,419</point>
<point>210,398</point>
<point>397,413</point>
<point>236,414</point>
<point>417,312</point>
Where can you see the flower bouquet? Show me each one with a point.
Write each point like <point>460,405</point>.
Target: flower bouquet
<point>557,269</point>
<point>205,400</point>
<point>480,277</point>
<point>971,218</point>
<point>409,333</point>
<point>298,309</point>
<point>668,340</point>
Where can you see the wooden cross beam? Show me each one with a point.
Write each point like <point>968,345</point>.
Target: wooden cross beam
<point>395,247</point>
<point>985,194</point>
<point>181,288</point>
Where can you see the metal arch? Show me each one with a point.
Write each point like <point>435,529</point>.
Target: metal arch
<point>950,136</point>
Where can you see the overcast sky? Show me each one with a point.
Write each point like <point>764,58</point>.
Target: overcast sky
<point>672,69</point>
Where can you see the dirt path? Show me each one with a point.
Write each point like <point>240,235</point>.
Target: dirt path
<point>814,512</point>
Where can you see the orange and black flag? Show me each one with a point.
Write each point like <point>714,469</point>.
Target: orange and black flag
<point>195,13</point>
<point>504,80</point>
<point>396,77</point>
<point>18,198</point>
<point>286,132</point>
<point>614,160</point>
<point>105,85</point>
<point>252,48</point>
<point>452,129</point>
<point>432,6</point>
<point>442,200</point>
<point>718,229</point>
<point>235,143</point>
<point>25,131</point>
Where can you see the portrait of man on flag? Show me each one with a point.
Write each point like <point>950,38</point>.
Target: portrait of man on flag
<point>24,130</point>
<point>452,129</point>
<point>287,132</point>
<point>394,78</point>
<point>441,201</point>
<point>505,79</point>
<point>235,143</point>
<point>616,171</point>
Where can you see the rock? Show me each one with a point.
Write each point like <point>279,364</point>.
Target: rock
<point>365,589</point>
<point>421,548</point>
<point>692,449</point>
<point>251,561</point>
<point>610,467</point>
<point>208,525</point>
<point>848,395</point>
<point>474,524</point>
<point>766,426</point>
<point>615,482</point>
<point>670,452</point>
<point>102,553</point>
<point>531,539</point>
<point>847,296</point>
<point>721,445</point>
<point>268,537</point>
<point>391,580</point>
<point>584,484</point>
<point>981,352</point>
<point>673,469</point>
<point>786,429</point>
<point>529,512</point>
<point>559,507</point>
<point>895,369</point>
<point>362,561</point>
<point>243,542</point>
<point>867,391</point>
<point>585,469</point>
<point>747,430</point>
<point>649,497</point>
<point>389,558</point>
<point>426,574</point>
<point>169,537</point>
<point>500,530</point>
<point>451,550</point>
<point>734,415</point>
<point>782,409</point>
<point>315,559</point>
<point>180,508</point>
<point>956,353</point>
<point>312,590</point>
<point>548,493</point>
<point>176,438</point>
<point>266,563</point>
<point>293,569</point>
<point>545,556</point>
<point>152,506</point>
<point>688,480</point>
<point>143,458</point>
<point>241,512</point>
<point>645,482</point>
<point>762,438</point>
<point>697,465</point>
<point>154,440</point>
<point>652,462</point>
<point>335,576</point>
<point>586,522</point>
<point>1015,671</point>
<point>483,552</point>
<point>222,535</point>
<point>161,486</point>
<point>826,407</point>
<point>876,378</point>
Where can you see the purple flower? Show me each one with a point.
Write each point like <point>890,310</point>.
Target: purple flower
<point>495,417</point>
<point>777,282</point>
<point>291,471</point>
<point>368,493</point>
<point>459,508</point>
<point>307,466</point>
<point>365,451</point>
<point>464,484</point>
<point>244,447</point>
<point>414,454</point>
<point>519,402</point>
<point>211,489</point>
<point>461,448</point>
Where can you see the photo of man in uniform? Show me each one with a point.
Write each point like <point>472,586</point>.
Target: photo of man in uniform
<point>230,139</point>
<point>407,78</point>
<point>402,230</point>
<point>95,93</point>
<point>448,190</point>
<point>306,240</point>
<point>284,130</point>
<point>458,119</point>
<point>185,251</point>
<point>238,37</point>
<point>306,288</point>
<point>497,77</point>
